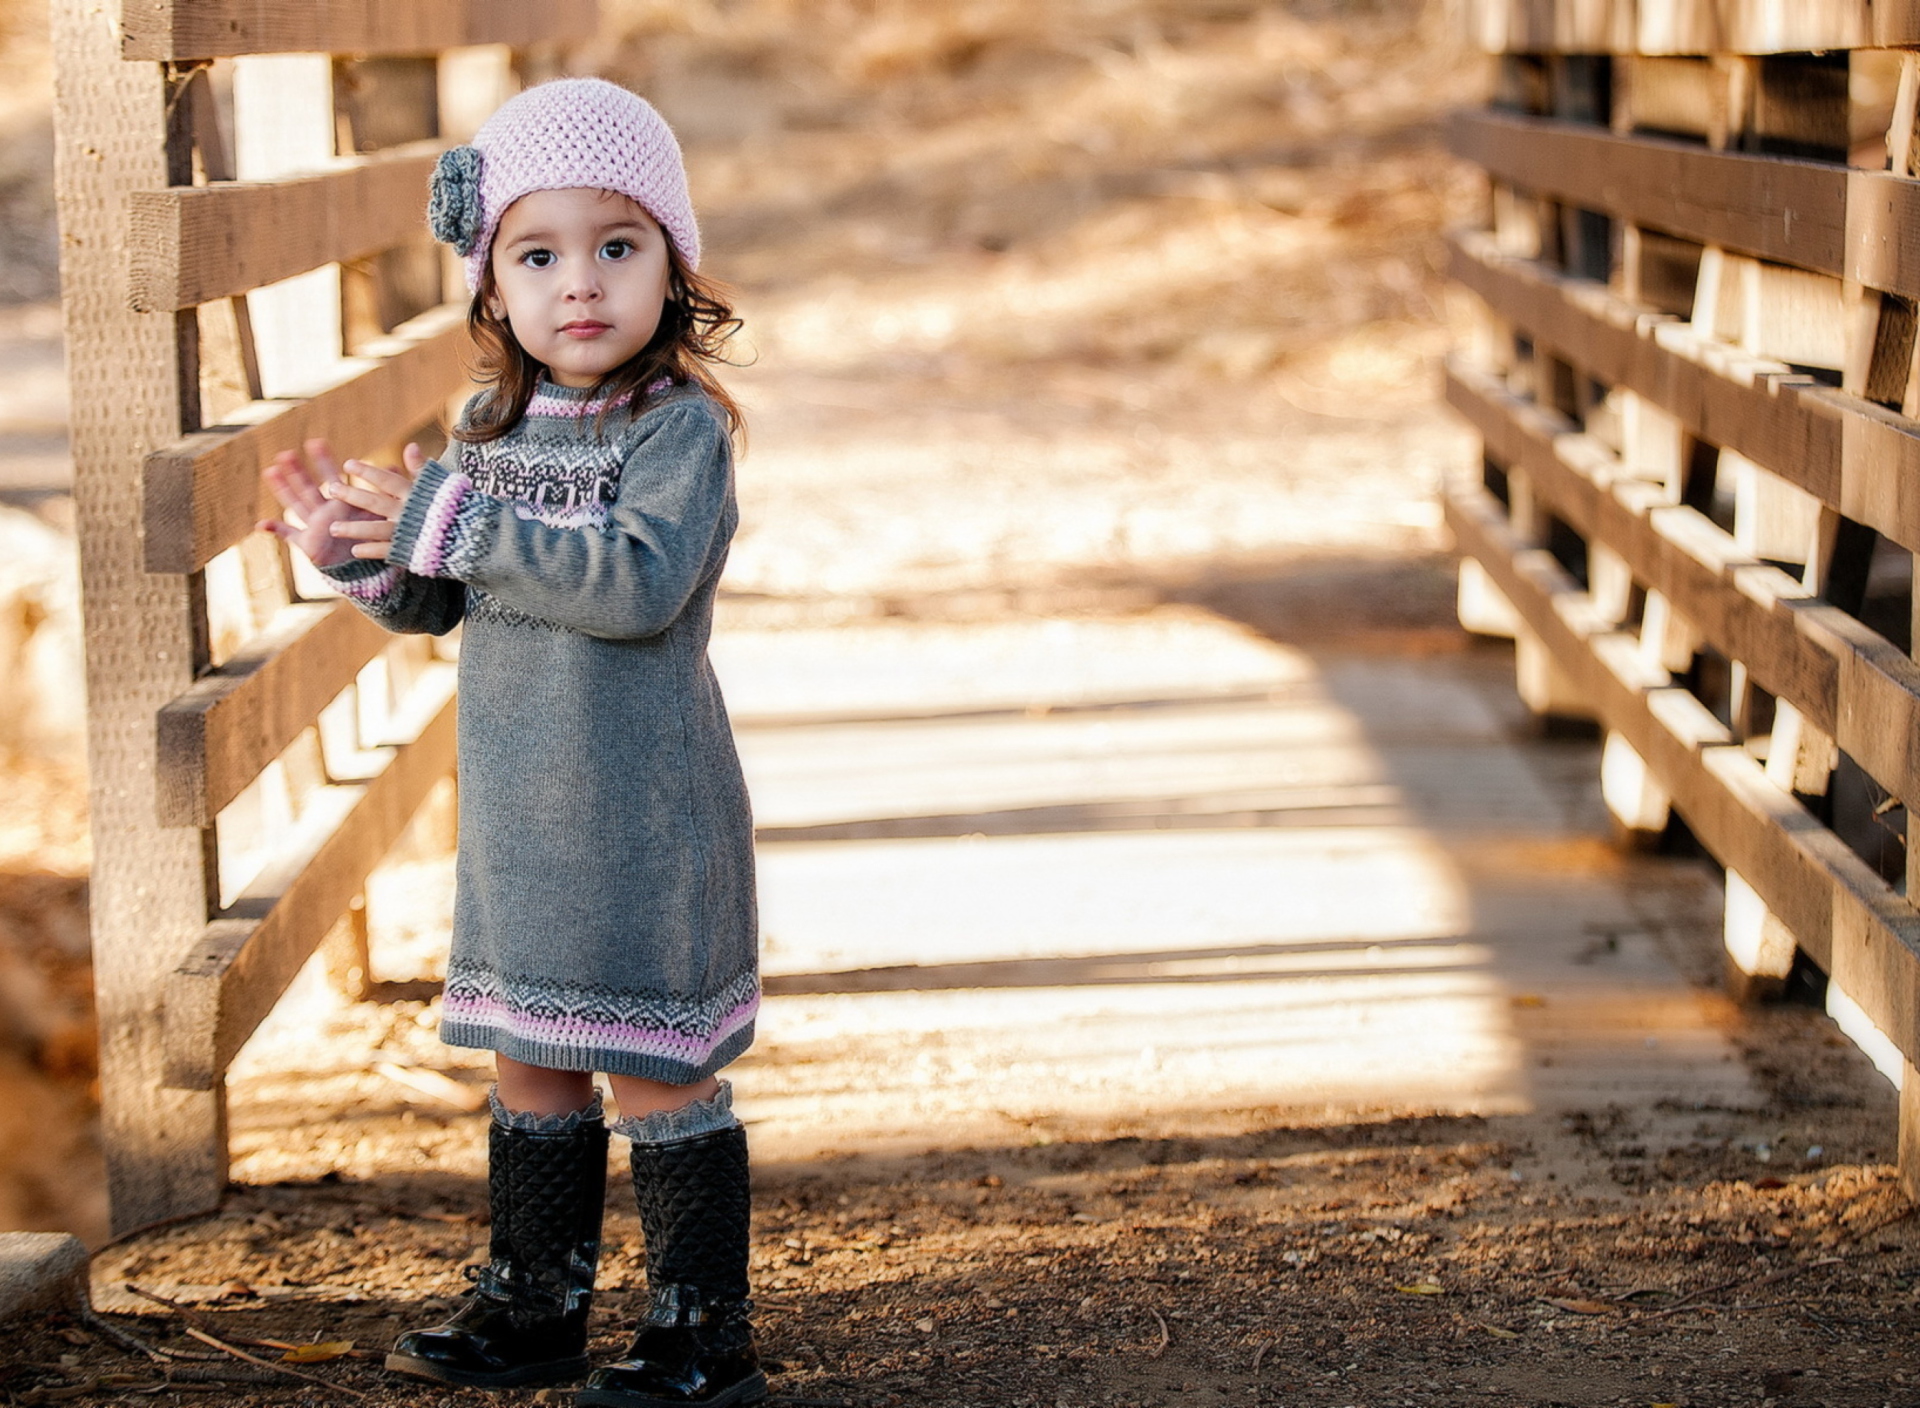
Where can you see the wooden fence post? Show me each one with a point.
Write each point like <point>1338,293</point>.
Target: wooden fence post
<point>207,674</point>
<point>166,1148</point>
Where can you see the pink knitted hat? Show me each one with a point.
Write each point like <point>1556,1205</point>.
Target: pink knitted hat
<point>571,132</point>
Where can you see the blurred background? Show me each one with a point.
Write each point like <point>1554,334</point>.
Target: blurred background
<point>1069,312</point>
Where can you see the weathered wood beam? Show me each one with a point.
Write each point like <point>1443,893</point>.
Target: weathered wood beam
<point>165,1150</point>
<point>1853,455</point>
<point>1691,26</point>
<point>1863,226</point>
<point>244,959</point>
<point>194,244</point>
<point>1735,401</point>
<point>203,493</point>
<point>217,736</point>
<point>1849,682</point>
<point>1790,211</point>
<point>209,29</point>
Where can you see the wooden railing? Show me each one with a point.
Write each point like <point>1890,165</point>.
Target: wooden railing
<point>1694,374</point>
<point>242,192</point>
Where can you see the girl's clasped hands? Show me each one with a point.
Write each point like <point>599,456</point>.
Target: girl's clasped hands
<point>336,512</point>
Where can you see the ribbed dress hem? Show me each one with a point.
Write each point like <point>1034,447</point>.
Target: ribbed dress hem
<point>664,1057</point>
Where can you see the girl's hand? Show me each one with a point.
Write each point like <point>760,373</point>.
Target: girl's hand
<point>376,500</point>
<point>300,482</point>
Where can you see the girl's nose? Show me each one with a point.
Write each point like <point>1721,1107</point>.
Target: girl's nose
<point>583,287</point>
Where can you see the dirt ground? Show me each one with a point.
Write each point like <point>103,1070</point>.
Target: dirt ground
<point>1120,319</point>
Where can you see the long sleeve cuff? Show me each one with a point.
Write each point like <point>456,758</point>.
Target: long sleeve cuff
<point>364,579</point>
<point>442,524</point>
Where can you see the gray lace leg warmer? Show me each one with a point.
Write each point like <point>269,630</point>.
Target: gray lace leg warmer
<point>690,1121</point>
<point>527,1122</point>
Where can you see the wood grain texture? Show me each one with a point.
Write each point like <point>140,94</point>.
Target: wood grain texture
<point>193,244</point>
<point>203,492</point>
<point>207,29</point>
<point>166,1151</point>
<point>218,735</point>
<point>243,960</point>
<point>1793,212</point>
<point>1849,682</point>
<point>1896,23</point>
<point>1668,548</point>
<point>1737,402</point>
<point>1690,26</point>
<point>1853,455</point>
<point>1847,920</point>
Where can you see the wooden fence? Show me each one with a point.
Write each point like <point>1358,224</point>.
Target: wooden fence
<point>1697,293</point>
<point>241,191</point>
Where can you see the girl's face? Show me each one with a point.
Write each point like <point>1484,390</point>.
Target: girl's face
<point>580,276</point>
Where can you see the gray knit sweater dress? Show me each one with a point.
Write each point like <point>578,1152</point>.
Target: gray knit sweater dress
<point>604,915</point>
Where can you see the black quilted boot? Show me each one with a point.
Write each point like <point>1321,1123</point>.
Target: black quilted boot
<point>696,1344</point>
<point>525,1320</point>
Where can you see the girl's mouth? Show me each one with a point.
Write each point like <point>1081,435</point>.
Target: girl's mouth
<point>585,329</point>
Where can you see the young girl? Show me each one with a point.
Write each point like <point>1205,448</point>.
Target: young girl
<point>604,918</point>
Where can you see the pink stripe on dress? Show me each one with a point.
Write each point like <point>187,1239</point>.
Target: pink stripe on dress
<point>370,588</point>
<point>546,403</point>
<point>619,1036</point>
<point>430,549</point>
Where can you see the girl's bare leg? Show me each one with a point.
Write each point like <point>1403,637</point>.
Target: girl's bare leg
<point>536,1090</point>
<point>639,1098</point>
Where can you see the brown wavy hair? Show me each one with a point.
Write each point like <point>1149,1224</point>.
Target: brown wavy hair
<point>696,323</point>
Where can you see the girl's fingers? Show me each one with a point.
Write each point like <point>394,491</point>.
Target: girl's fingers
<point>346,492</point>
<point>275,527</point>
<point>365,529</point>
<point>288,479</point>
<point>415,459</point>
<point>320,453</point>
<point>377,551</point>
<point>390,481</point>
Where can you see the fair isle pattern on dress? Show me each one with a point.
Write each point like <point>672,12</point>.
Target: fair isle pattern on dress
<point>484,606</point>
<point>566,482</point>
<point>550,1019</point>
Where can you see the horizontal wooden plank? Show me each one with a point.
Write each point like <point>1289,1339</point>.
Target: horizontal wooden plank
<point>194,244</point>
<point>1829,219</point>
<point>1669,548</point>
<point>1751,26</point>
<point>1689,26</point>
<point>1896,23</point>
<point>248,954</point>
<point>1843,915</point>
<point>1724,397</point>
<point>1850,682</point>
<point>1852,455</point>
<point>218,736</point>
<point>211,29</point>
<point>1789,211</point>
<point>203,493</point>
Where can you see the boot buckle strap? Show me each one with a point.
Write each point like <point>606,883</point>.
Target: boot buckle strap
<point>676,1306</point>
<point>494,1280</point>
<point>582,1263</point>
<point>505,1284</point>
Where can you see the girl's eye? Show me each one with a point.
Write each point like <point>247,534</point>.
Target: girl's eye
<point>616,249</point>
<point>537,258</point>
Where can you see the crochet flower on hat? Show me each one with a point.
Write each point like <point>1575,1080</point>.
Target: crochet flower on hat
<point>572,132</point>
<point>453,203</point>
